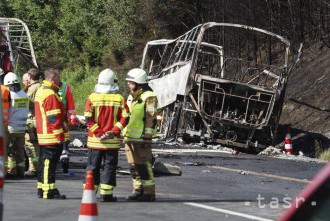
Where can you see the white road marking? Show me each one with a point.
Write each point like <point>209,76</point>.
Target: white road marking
<point>260,174</point>
<point>228,212</point>
<point>189,151</point>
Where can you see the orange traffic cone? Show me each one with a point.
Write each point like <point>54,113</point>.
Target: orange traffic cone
<point>288,145</point>
<point>88,208</point>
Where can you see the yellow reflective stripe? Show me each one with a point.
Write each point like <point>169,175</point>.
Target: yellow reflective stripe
<point>96,115</point>
<point>97,140</point>
<point>102,146</point>
<point>49,141</point>
<point>115,112</point>
<point>94,127</point>
<point>53,112</point>
<point>46,136</point>
<point>21,102</point>
<point>46,168</point>
<point>39,185</point>
<point>119,125</point>
<point>106,186</point>
<point>59,131</point>
<point>129,139</point>
<point>137,183</point>
<point>151,181</point>
<point>105,103</point>
<point>88,114</point>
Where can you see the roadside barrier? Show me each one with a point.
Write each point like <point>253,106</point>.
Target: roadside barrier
<point>88,208</point>
<point>288,145</point>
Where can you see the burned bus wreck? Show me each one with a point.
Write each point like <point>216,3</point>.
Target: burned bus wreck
<point>16,49</point>
<point>220,82</point>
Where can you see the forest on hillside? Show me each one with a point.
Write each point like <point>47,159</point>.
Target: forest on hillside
<point>112,33</point>
<point>83,36</point>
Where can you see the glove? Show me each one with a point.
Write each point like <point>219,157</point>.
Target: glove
<point>107,135</point>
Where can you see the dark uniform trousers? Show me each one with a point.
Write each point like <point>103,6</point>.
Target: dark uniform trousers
<point>48,160</point>
<point>108,177</point>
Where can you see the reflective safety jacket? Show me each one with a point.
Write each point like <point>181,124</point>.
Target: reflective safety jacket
<point>104,113</point>
<point>50,115</point>
<point>18,112</point>
<point>143,116</point>
<point>5,95</point>
<point>66,96</point>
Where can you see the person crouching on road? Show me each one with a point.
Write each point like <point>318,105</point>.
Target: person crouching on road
<point>141,128</point>
<point>50,124</point>
<point>18,113</point>
<point>106,115</point>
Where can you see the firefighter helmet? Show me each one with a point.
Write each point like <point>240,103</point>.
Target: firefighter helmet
<point>10,78</point>
<point>107,82</point>
<point>138,76</point>
<point>107,77</point>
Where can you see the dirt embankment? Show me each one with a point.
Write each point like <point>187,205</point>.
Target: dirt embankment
<point>307,102</point>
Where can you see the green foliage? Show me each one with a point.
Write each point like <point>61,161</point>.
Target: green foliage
<point>325,155</point>
<point>83,79</point>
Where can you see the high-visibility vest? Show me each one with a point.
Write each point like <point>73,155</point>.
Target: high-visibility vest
<point>136,125</point>
<point>5,94</point>
<point>18,112</point>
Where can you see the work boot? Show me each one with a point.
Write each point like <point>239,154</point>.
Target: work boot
<point>146,198</point>
<point>108,198</point>
<point>134,196</point>
<point>65,159</point>
<point>30,173</point>
<point>57,195</point>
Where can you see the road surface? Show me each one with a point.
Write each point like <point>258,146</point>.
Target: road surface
<point>214,185</point>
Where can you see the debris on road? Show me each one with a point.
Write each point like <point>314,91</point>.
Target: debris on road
<point>270,151</point>
<point>77,143</point>
<point>166,169</point>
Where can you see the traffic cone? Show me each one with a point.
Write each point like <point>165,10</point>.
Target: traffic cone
<point>288,145</point>
<point>88,208</point>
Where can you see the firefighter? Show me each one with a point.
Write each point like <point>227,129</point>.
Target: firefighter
<point>18,113</point>
<point>31,82</point>
<point>6,99</point>
<point>66,96</point>
<point>142,103</point>
<point>50,124</point>
<point>106,114</point>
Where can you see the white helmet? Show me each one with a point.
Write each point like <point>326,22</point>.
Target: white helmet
<point>107,82</point>
<point>138,76</point>
<point>107,77</point>
<point>10,78</point>
<point>1,72</point>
